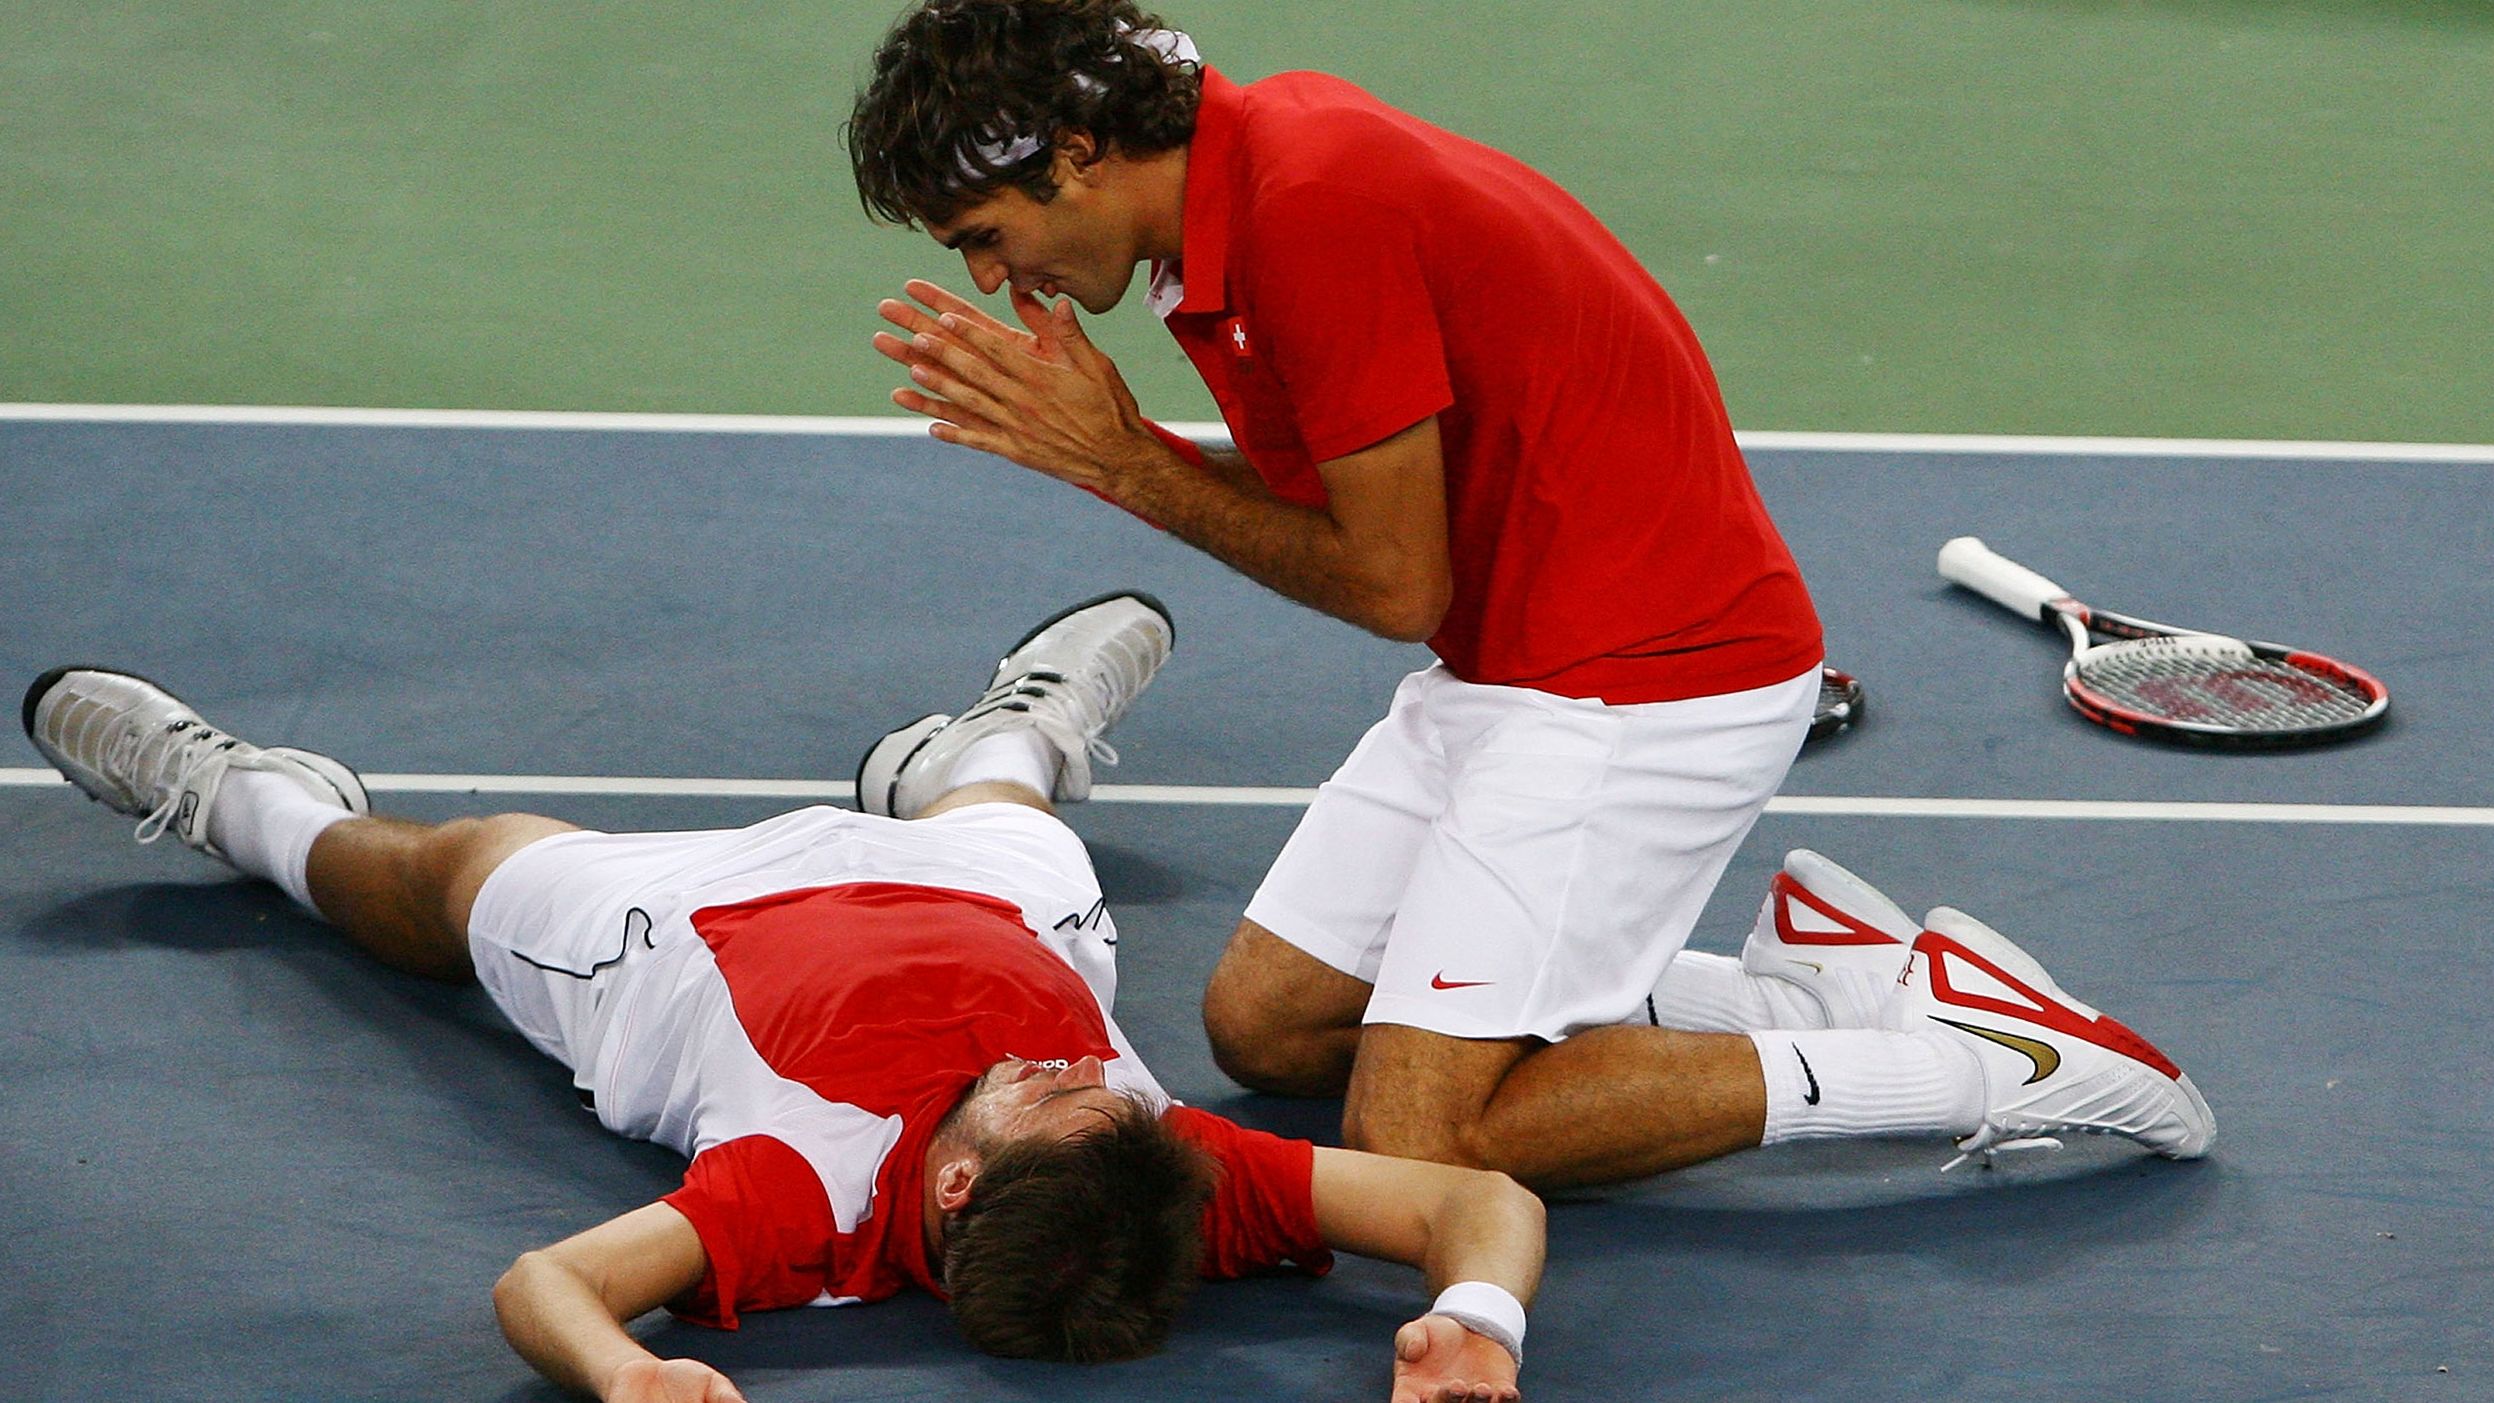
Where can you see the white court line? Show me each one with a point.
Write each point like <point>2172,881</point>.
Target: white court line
<point>2128,811</point>
<point>897,426</point>
<point>2015,444</point>
<point>1851,806</point>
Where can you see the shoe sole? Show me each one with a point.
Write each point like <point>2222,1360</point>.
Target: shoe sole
<point>42,687</point>
<point>1070,610</point>
<point>51,678</point>
<point>858,786</point>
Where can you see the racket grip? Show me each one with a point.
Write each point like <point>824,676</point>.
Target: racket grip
<point>1967,561</point>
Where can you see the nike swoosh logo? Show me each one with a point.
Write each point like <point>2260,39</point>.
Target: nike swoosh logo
<point>1440,981</point>
<point>2046,1059</point>
<point>1811,1098</point>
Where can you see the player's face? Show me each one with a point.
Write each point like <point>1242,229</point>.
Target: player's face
<point>1072,246</point>
<point>1019,1100</point>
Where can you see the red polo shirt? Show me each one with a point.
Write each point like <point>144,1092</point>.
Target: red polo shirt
<point>871,1007</point>
<point>1350,270</point>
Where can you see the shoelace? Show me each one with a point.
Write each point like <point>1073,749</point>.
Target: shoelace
<point>1050,689</point>
<point>1989,1151</point>
<point>1112,689</point>
<point>200,753</point>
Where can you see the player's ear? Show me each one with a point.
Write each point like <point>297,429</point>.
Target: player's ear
<point>954,1179</point>
<point>1077,151</point>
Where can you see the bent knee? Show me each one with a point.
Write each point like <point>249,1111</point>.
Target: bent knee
<point>1397,1132</point>
<point>1236,1018</point>
<point>1263,1056</point>
<point>1279,1020</point>
<point>1258,1045</point>
<point>1418,1094</point>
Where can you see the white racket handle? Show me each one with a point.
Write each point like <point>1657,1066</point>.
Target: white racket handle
<point>1967,561</point>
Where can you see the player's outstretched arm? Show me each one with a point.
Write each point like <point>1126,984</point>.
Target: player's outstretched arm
<point>563,1308</point>
<point>1474,1234</point>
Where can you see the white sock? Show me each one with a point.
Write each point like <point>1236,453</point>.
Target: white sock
<point>1713,994</point>
<point>1846,1082</point>
<point>1020,756</point>
<point>264,824</point>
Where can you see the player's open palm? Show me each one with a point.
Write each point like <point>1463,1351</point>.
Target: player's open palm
<point>670,1381</point>
<point>1439,1361</point>
<point>1042,396</point>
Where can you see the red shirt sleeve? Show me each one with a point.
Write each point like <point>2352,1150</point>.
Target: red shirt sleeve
<point>1183,446</point>
<point>765,1226</point>
<point>1263,1213</point>
<point>1344,314</point>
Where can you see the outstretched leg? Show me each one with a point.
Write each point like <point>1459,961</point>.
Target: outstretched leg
<point>298,819</point>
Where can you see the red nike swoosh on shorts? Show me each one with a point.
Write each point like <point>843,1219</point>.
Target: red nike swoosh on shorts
<point>1440,981</point>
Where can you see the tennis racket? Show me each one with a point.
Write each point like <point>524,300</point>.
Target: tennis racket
<point>2178,684</point>
<point>1840,704</point>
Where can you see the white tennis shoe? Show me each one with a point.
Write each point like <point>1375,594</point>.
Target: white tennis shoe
<point>2051,1065</point>
<point>1069,679</point>
<point>1834,935</point>
<point>135,748</point>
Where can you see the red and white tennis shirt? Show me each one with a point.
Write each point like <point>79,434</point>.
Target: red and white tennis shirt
<point>802,1051</point>
<point>1349,270</point>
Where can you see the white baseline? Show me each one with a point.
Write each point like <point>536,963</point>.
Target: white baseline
<point>897,426</point>
<point>1274,796</point>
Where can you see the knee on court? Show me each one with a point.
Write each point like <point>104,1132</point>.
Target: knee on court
<point>1242,1028</point>
<point>1268,1010</point>
<point>1400,1132</point>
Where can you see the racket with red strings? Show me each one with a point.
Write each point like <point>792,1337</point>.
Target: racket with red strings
<point>2174,684</point>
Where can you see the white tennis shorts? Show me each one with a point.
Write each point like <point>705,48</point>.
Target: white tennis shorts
<point>1500,862</point>
<point>570,929</point>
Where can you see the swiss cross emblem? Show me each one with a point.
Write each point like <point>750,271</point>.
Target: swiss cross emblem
<point>1237,332</point>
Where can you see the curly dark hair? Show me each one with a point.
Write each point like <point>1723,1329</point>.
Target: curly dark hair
<point>1080,1250</point>
<point>958,82</point>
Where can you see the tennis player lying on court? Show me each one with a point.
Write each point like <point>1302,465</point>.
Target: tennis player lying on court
<point>886,1045</point>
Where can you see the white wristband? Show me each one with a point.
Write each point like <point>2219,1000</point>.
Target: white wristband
<point>1487,1310</point>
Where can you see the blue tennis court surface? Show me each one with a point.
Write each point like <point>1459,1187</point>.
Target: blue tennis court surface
<point>247,1163</point>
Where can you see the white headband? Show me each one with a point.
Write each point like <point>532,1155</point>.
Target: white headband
<point>1169,45</point>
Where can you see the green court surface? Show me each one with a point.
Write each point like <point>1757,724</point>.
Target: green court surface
<point>2228,218</point>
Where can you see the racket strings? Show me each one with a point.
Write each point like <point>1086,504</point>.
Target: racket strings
<point>2210,681</point>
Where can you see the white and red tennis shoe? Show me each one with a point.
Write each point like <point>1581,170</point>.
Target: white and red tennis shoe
<point>1834,935</point>
<point>2051,1065</point>
<point>137,749</point>
<point>1069,679</point>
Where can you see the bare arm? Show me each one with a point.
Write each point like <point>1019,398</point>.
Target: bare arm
<point>1455,1225</point>
<point>1046,398</point>
<point>564,1307</point>
<point>1232,467</point>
